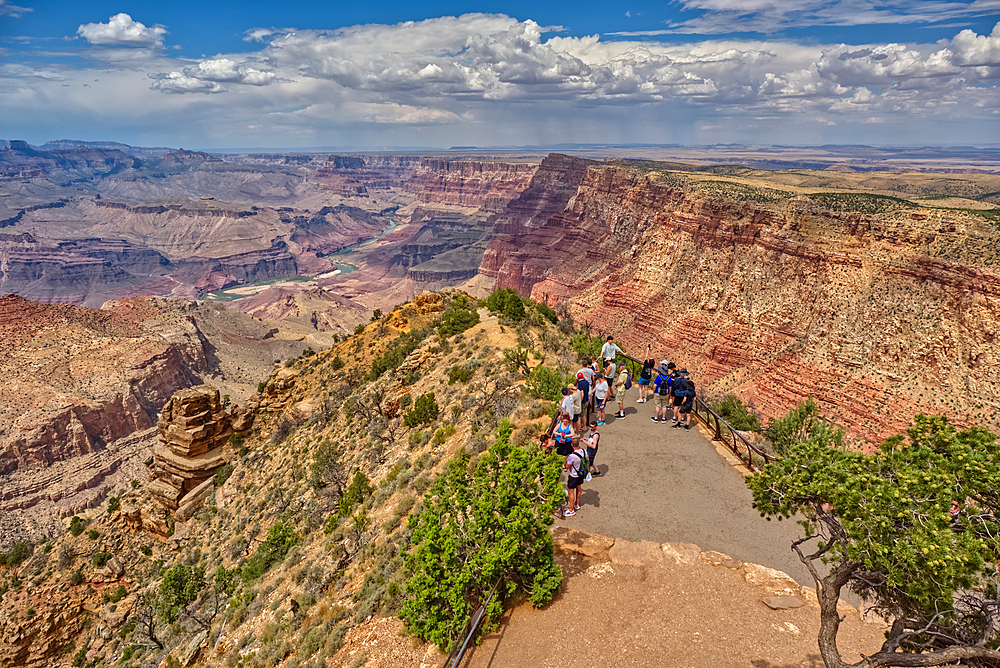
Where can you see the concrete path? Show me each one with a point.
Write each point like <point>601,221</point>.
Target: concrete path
<point>663,484</point>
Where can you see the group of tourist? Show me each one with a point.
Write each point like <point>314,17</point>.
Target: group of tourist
<point>596,384</point>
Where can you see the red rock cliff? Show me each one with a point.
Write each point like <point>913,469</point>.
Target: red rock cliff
<point>770,295</point>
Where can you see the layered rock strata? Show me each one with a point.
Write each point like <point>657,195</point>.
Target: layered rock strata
<point>878,308</point>
<point>194,432</point>
<point>469,183</point>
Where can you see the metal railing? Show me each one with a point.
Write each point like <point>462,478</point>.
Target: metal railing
<point>746,451</point>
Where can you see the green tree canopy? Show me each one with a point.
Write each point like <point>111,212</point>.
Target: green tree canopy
<point>883,525</point>
<point>483,522</point>
<point>179,587</point>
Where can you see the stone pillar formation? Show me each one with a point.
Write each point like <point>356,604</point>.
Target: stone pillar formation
<point>194,444</point>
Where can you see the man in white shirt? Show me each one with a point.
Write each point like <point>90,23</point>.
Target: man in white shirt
<point>567,404</point>
<point>609,351</point>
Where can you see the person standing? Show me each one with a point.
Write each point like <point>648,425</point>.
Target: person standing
<point>567,406</point>
<point>577,395</point>
<point>583,385</point>
<point>601,392</point>
<point>593,440</point>
<point>574,482</point>
<point>621,391</point>
<point>564,434</point>
<point>684,389</point>
<point>661,392</point>
<point>610,350</point>
<point>645,378</point>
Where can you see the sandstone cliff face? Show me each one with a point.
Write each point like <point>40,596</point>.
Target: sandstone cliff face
<point>774,296</point>
<point>534,215</point>
<point>469,183</point>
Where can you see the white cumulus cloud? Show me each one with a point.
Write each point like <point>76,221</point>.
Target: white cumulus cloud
<point>121,30</point>
<point>177,82</point>
<point>224,70</point>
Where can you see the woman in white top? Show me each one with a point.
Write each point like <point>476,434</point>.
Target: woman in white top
<point>601,392</point>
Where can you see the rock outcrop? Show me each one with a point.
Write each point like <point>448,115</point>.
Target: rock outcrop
<point>194,443</point>
<point>877,307</point>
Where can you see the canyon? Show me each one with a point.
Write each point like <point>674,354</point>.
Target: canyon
<point>862,291</point>
<point>874,292</point>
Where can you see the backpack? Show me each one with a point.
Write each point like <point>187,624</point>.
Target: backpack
<point>628,380</point>
<point>663,389</point>
<point>584,467</point>
<point>684,389</point>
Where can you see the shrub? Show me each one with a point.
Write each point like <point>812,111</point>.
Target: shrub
<point>359,329</point>
<point>359,490</point>
<point>179,587</point>
<point>76,526</point>
<point>21,551</point>
<point>101,558</point>
<point>481,524</point>
<point>280,539</point>
<point>443,434</point>
<point>459,374</point>
<point>801,423</point>
<point>544,383</point>
<point>586,347</point>
<point>336,364</point>
<point>393,357</point>
<point>507,302</point>
<point>454,322</point>
<point>93,534</point>
<point>146,550</point>
<point>260,387</point>
<point>734,411</point>
<point>76,578</point>
<point>113,504</point>
<point>222,475</point>
<point>425,410</point>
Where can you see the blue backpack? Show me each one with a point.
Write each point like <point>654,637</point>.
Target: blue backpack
<point>684,389</point>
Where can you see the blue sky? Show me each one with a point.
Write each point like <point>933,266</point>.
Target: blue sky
<point>368,75</point>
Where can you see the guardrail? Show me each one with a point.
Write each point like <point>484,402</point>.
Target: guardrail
<point>723,431</point>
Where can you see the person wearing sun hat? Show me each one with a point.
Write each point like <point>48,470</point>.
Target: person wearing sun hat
<point>661,392</point>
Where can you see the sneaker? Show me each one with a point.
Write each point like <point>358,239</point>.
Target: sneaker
<point>600,422</point>
<point>569,513</point>
<point>595,472</point>
<point>620,414</point>
<point>638,401</point>
<point>575,507</point>
<point>687,427</point>
<point>654,419</point>
<point>677,425</point>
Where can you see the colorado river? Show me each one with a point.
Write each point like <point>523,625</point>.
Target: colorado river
<point>247,289</point>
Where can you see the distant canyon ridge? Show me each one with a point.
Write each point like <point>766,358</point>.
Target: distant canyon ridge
<point>876,293</point>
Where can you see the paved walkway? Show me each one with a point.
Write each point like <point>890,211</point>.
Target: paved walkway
<point>664,484</point>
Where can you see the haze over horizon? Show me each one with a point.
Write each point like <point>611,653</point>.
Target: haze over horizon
<point>694,72</point>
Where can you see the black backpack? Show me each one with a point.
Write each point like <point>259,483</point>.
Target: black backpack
<point>663,389</point>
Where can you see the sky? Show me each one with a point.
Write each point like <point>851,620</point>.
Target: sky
<point>270,75</point>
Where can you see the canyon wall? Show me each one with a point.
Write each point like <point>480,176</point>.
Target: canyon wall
<point>877,307</point>
<point>469,183</point>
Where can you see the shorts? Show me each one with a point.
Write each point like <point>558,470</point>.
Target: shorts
<point>686,406</point>
<point>573,483</point>
<point>642,381</point>
<point>678,401</point>
<point>622,394</point>
<point>660,400</point>
<point>601,403</point>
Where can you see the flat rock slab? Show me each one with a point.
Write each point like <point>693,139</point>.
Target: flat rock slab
<point>635,554</point>
<point>718,559</point>
<point>782,602</point>
<point>682,553</point>
<point>770,579</point>
<point>592,546</point>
